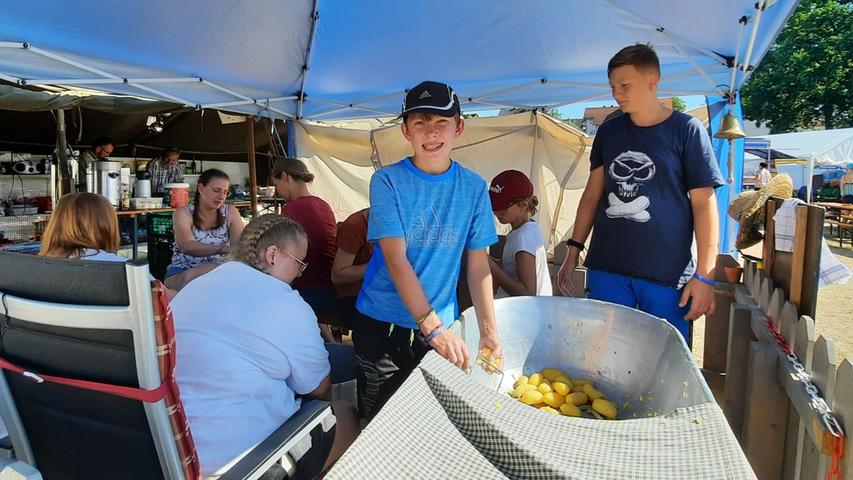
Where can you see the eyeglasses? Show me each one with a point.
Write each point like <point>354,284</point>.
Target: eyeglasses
<point>302,265</point>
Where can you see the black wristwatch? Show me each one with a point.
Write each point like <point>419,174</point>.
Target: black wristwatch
<point>573,243</point>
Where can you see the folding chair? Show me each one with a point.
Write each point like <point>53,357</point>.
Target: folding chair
<point>88,390</point>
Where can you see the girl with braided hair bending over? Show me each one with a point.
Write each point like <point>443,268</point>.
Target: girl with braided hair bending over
<point>246,358</point>
<point>204,231</point>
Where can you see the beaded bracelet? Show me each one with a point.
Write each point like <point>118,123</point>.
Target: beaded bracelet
<point>706,281</point>
<point>434,333</point>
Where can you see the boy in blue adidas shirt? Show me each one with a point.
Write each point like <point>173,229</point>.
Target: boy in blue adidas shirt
<point>426,212</point>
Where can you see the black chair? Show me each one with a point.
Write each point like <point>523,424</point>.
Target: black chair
<point>95,321</point>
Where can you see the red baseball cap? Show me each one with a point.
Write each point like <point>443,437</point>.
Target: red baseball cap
<point>507,187</point>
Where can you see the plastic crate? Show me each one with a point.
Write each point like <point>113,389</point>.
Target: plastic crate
<point>159,256</point>
<point>160,237</point>
<point>160,225</point>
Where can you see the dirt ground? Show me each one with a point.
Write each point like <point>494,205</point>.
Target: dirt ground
<point>834,317</point>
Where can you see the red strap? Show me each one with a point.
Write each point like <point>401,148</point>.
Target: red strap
<point>139,394</point>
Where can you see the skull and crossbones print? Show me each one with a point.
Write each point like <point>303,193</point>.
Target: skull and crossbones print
<point>630,170</point>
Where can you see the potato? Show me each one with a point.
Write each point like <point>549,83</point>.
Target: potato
<point>570,410</point>
<point>605,408</point>
<point>592,392</point>
<point>553,399</point>
<point>531,397</point>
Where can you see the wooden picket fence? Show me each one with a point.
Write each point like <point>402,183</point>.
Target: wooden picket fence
<point>768,407</point>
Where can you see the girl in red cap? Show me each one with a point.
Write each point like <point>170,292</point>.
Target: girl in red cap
<point>523,268</point>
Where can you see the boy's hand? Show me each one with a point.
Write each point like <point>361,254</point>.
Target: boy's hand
<point>701,297</point>
<point>452,348</point>
<point>564,276</point>
<point>494,345</point>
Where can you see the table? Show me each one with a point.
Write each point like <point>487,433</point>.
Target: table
<point>839,215</point>
<point>134,214</point>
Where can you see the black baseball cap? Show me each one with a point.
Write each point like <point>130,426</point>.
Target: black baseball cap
<point>431,97</point>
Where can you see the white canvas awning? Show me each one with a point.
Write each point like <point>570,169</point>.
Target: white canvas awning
<point>333,59</point>
<point>554,155</point>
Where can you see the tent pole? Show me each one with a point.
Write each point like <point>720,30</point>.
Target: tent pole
<point>809,180</point>
<point>253,179</point>
<point>300,103</point>
<point>62,152</point>
<point>552,236</point>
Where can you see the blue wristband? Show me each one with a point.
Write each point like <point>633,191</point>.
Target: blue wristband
<point>704,280</point>
<point>434,333</point>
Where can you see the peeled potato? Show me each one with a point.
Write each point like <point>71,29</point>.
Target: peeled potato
<point>592,392</point>
<point>577,398</point>
<point>519,390</point>
<point>570,410</point>
<point>522,380</point>
<point>548,409</point>
<point>604,407</point>
<point>580,382</point>
<point>535,379</point>
<point>531,397</point>
<point>551,374</point>
<point>544,388</point>
<point>561,388</point>
<point>553,399</point>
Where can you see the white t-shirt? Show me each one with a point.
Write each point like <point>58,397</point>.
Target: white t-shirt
<point>762,177</point>
<point>527,238</point>
<point>247,344</point>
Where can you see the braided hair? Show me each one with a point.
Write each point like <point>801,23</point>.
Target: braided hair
<point>204,179</point>
<point>263,231</point>
<point>294,168</point>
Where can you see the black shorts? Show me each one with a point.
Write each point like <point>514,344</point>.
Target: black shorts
<point>385,357</point>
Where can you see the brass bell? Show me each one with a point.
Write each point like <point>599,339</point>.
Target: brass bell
<point>731,128</point>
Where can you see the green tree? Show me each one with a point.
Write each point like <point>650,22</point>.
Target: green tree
<point>678,104</point>
<point>806,78</point>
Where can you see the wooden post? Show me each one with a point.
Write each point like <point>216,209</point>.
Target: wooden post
<point>737,358</point>
<point>765,413</point>
<point>811,261</point>
<point>62,152</point>
<point>796,434</point>
<point>717,329</point>
<point>798,257</point>
<point>253,179</point>
<point>816,465</point>
<point>842,405</point>
<point>769,237</point>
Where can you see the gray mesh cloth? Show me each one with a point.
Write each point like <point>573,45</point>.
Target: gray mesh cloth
<point>441,424</point>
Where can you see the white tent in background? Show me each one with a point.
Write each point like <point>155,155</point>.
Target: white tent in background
<point>554,155</point>
<point>816,148</point>
<point>821,147</point>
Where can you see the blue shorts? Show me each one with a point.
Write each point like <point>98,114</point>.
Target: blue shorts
<point>174,270</point>
<point>650,297</point>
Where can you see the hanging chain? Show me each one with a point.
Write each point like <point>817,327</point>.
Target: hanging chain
<point>816,401</point>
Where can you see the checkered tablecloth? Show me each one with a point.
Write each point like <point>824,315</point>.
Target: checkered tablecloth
<point>440,424</point>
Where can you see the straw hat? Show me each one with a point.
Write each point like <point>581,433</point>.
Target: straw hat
<point>748,209</point>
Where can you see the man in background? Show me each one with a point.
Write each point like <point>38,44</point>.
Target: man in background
<point>101,148</point>
<point>165,169</point>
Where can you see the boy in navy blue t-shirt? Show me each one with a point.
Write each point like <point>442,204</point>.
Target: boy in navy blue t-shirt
<point>426,211</point>
<point>650,189</point>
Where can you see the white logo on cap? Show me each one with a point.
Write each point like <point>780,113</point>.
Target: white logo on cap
<point>496,188</point>
<point>425,94</point>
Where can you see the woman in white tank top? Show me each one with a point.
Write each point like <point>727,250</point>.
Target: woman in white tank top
<point>204,231</point>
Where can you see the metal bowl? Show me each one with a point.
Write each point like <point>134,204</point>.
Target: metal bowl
<point>639,361</point>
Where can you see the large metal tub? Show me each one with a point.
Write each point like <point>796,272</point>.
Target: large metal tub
<point>638,360</point>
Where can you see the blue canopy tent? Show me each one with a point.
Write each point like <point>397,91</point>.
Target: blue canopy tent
<point>333,59</point>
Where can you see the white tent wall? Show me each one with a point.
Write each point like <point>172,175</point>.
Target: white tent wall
<point>554,155</point>
<point>824,147</point>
